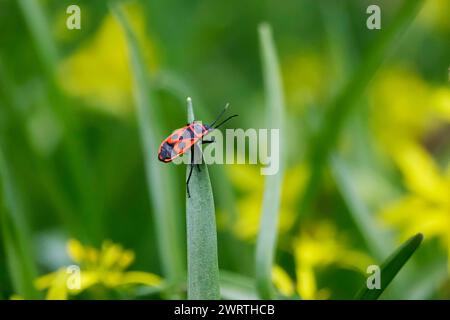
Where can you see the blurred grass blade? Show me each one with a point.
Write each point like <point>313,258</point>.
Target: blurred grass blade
<point>375,240</point>
<point>15,236</point>
<point>344,102</point>
<point>267,236</point>
<point>45,170</point>
<point>391,267</point>
<point>40,30</point>
<point>159,176</point>
<point>203,267</point>
<point>425,287</point>
<point>236,286</point>
<point>80,168</point>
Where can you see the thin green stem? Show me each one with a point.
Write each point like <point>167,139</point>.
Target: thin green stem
<point>159,178</point>
<point>267,236</point>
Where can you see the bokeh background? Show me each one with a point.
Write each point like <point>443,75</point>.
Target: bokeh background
<point>73,185</point>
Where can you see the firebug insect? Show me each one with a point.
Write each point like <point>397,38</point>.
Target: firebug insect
<point>185,138</point>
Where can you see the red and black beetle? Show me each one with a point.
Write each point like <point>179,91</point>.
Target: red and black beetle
<point>184,139</point>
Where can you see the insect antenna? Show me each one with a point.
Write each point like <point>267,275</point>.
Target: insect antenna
<point>220,114</point>
<point>230,117</point>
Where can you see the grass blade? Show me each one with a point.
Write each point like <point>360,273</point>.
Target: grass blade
<point>375,240</point>
<point>15,236</point>
<point>424,287</point>
<point>72,146</point>
<point>203,267</point>
<point>236,286</point>
<point>389,269</point>
<point>158,175</point>
<point>45,169</point>
<point>40,30</point>
<point>267,236</point>
<point>344,102</point>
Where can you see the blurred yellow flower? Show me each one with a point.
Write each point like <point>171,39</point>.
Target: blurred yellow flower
<point>405,107</point>
<point>250,183</point>
<point>99,71</point>
<point>320,247</point>
<point>441,99</point>
<point>104,267</point>
<point>282,281</point>
<point>426,208</point>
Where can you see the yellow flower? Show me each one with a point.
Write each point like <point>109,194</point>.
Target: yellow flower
<point>426,208</point>
<point>282,281</point>
<point>441,99</point>
<point>319,248</point>
<point>99,71</point>
<point>104,267</point>
<point>406,107</point>
<point>250,183</point>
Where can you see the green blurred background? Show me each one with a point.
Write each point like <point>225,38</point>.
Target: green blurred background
<point>72,166</point>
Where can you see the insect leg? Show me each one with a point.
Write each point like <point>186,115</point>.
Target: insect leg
<point>188,179</point>
<point>191,165</point>
<point>213,139</point>
<point>193,159</point>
